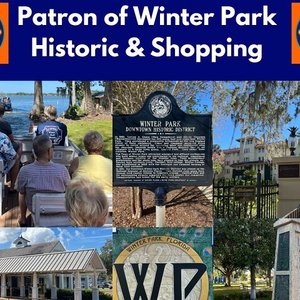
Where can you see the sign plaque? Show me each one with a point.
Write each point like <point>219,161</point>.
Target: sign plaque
<point>162,146</point>
<point>288,171</point>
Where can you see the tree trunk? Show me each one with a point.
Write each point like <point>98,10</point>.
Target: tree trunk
<point>87,104</point>
<point>253,283</point>
<point>228,279</point>
<point>73,101</point>
<point>269,278</point>
<point>38,104</point>
<point>108,94</point>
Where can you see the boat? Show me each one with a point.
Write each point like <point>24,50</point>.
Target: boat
<point>6,102</point>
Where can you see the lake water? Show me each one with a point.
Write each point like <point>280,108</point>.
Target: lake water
<point>22,105</point>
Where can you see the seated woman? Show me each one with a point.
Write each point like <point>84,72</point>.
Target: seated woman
<point>86,203</point>
<point>57,131</point>
<point>93,166</point>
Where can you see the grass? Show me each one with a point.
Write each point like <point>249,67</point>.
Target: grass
<point>235,293</point>
<point>77,130</point>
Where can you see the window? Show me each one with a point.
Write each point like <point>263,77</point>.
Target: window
<point>246,158</point>
<point>247,150</point>
<point>228,171</point>
<point>249,142</point>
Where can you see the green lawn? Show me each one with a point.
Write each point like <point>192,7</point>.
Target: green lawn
<point>77,130</point>
<point>236,293</point>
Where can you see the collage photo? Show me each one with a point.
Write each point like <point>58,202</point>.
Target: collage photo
<point>149,190</point>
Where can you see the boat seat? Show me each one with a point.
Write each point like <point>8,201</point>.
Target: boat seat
<point>26,148</point>
<point>48,209</point>
<point>63,155</point>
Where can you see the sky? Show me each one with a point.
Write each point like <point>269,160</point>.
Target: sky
<point>28,86</point>
<point>72,238</point>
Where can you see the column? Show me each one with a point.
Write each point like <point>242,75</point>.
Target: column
<point>86,281</point>
<point>61,281</point>
<point>10,285</point>
<point>35,291</point>
<point>22,286</point>
<point>3,285</point>
<point>77,290</point>
<point>53,288</point>
<point>95,290</point>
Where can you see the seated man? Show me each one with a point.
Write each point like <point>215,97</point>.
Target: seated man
<point>57,131</point>
<point>94,166</point>
<point>42,175</point>
<point>6,129</point>
<point>86,203</point>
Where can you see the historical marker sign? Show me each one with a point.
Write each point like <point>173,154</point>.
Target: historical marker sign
<point>288,171</point>
<point>244,193</point>
<point>162,146</point>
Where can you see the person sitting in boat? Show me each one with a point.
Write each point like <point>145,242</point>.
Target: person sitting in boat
<point>7,153</point>
<point>6,129</point>
<point>94,165</point>
<point>42,175</point>
<point>86,203</point>
<point>57,131</point>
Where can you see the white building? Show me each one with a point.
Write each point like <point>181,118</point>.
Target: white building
<point>28,270</point>
<point>252,154</point>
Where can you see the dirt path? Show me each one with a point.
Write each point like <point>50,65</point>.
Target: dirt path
<point>187,207</point>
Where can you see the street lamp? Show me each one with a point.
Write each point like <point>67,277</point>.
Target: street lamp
<point>292,141</point>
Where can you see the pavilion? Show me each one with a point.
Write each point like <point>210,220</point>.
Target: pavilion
<point>28,270</point>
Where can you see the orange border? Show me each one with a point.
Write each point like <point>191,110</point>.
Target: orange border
<point>4,49</point>
<point>295,21</point>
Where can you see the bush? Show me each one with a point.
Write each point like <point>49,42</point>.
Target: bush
<point>74,113</point>
<point>67,294</point>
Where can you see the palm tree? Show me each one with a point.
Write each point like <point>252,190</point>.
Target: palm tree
<point>87,104</point>
<point>38,104</point>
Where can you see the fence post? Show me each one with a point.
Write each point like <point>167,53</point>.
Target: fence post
<point>258,191</point>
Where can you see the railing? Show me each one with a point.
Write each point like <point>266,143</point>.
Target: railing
<point>236,198</point>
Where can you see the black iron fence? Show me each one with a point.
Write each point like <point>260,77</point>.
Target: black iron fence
<point>252,198</point>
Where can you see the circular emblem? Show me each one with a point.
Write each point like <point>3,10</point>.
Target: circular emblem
<point>160,267</point>
<point>298,33</point>
<point>1,33</point>
<point>160,106</point>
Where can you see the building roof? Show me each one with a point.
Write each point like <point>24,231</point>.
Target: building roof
<point>248,138</point>
<point>233,150</point>
<point>66,261</point>
<point>260,146</point>
<point>32,249</point>
<point>245,163</point>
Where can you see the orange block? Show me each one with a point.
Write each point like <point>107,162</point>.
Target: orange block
<point>295,32</point>
<point>4,33</point>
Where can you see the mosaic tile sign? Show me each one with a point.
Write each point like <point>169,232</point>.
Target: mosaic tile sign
<point>162,263</point>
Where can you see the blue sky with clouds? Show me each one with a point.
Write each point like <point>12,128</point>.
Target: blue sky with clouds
<point>72,238</point>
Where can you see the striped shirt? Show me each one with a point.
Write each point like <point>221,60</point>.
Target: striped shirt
<point>42,178</point>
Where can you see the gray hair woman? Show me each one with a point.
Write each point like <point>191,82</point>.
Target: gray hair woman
<point>86,203</point>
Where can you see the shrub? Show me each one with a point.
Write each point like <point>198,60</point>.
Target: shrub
<point>74,113</point>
